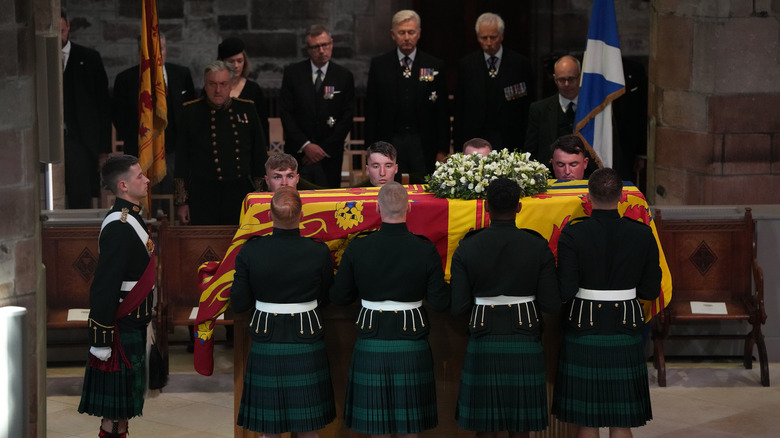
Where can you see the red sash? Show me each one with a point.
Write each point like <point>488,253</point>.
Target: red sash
<point>134,298</point>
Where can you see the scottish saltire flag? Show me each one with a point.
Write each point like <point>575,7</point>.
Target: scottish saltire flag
<point>602,82</point>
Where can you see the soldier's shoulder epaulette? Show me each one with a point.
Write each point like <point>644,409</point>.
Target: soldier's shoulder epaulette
<point>365,233</point>
<point>257,236</point>
<point>578,219</point>
<point>533,232</point>
<point>473,232</point>
<point>423,237</point>
<point>189,102</point>
<point>241,99</point>
<point>637,221</point>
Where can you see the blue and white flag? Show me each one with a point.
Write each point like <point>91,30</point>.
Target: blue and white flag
<point>602,82</point>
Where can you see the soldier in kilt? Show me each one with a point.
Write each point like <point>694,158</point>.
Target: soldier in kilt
<point>391,387</point>
<point>284,277</point>
<point>121,301</point>
<point>506,277</point>
<point>605,263</point>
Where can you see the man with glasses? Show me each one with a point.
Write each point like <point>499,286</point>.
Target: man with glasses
<point>316,107</point>
<point>553,117</point>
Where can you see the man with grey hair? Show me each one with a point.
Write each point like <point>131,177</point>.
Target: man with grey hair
<point>494,90</point>
<point>553,117</point>
<point>316,106</point>
<point>406,100</point>
<point>220,155</point>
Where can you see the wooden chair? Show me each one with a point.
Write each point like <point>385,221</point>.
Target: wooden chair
<point>712,261</point>
<point>182,250</point>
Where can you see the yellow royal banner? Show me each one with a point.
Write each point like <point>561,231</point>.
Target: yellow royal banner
<point>336,216</point>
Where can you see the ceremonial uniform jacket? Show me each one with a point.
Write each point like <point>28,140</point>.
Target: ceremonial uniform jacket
<point>396,104</point>
<point>391,264</point>
<point>505,260</point>
<point>123,257</point>
<point>220,153</point>
<point>282,268</point>
<point>493,108</point>
<point>323,118</point>
<point>252,91</point>
<point>607,252</point>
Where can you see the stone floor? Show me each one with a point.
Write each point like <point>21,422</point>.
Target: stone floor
<point>712,400</point>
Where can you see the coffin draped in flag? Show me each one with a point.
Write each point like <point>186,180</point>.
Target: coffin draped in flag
<point>336,216</point>
<point>602,82</point>
<point>152,104</point>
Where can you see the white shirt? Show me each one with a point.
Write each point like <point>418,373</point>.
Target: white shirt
<point>499,55</point>
<point>65,55</point>
<point>314,69</point>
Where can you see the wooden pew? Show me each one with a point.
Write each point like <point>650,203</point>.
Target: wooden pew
<point>70,256</point>
<point>182,249</point>
<point>712,261</point>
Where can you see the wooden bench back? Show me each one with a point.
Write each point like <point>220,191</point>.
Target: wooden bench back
<point>183,249</point>
<point>709,260</point>
<point>70,255</point>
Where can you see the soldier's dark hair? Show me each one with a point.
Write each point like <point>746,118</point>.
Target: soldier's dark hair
<point>381,147</point>
<point>113,169</point>
<point>605,186</point>
<point>571,144</point>
<point>314,31</point>
<point>503,195</point>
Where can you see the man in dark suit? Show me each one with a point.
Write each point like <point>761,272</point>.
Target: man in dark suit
<point>179,89</point>
<point>553,117</point>
<point>86,110</point>
<point>492,94</point>
<point>316,107</point>
<point>406,100</point>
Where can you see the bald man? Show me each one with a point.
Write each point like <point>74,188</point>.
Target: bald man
<point>553,117</point>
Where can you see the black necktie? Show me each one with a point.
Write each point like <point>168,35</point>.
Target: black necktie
<point>407,61</point>
<point>492,63</point>
<point>570,113</point>
<point>318,81</point>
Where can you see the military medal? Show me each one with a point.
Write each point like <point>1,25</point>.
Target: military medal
<point>407,72</point>
<point>331,121</point>
<point>433,96</point>
<point>493,72</point>
<point>427,74</point>
<point>515,91</point>
<point>328,92</point>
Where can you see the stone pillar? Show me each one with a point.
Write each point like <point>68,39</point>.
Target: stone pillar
<point>714,102</point>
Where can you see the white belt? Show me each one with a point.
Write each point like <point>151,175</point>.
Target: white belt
<point>285,307</point>
<point>502,300</point>
<point>606,295</point>
<point>390,305</point>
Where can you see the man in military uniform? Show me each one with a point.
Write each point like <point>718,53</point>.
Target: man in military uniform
<point>220,155</point>
<point>283,278</point>
<point>391,271</point>
<point>494,90</point>
<point>406,100</point>
<point>570,159</point>
<point>505,276</point>
<point>605,263</point>
<point>121,301</point>
<point>316,106</point>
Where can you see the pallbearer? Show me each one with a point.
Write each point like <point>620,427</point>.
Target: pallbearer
<point>506,277</point>
<point>391,387</point>
<point>604,264</point>
<point>284,277</point>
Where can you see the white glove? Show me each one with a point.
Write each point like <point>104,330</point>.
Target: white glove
<point>102,353</point>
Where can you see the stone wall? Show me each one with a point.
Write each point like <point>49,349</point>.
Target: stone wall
<point>20,259</point>
<point>714,100</point>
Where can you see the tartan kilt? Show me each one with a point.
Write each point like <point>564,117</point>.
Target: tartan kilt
<point>602,381</point>
<point>287,388</point>
<point>502,385</point>
<point>118,395</point>
<point>391,387</point>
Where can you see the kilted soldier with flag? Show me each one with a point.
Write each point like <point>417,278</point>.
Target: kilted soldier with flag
<point>121,302</point>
